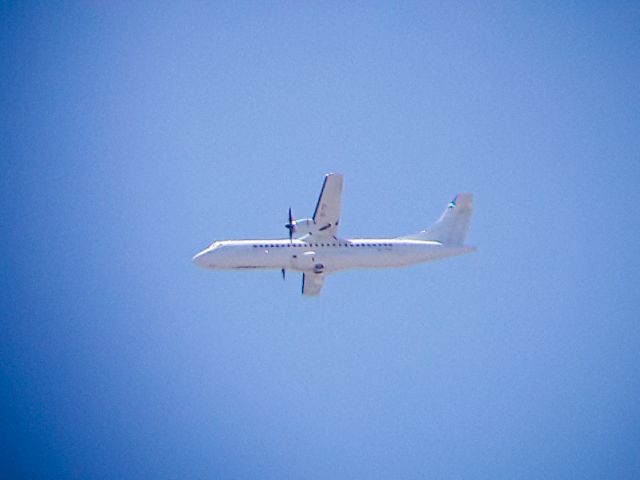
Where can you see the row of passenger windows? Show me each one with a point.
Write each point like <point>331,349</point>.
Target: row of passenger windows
<point>324,245</point>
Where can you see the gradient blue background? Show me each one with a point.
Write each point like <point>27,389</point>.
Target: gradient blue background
<point>134,135</point>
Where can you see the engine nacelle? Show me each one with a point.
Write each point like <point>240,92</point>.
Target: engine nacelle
<point>305,226</point>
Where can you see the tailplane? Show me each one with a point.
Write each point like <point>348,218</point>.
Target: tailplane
<point>453,225</point>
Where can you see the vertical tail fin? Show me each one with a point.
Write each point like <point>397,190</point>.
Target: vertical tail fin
<point>453,225</point>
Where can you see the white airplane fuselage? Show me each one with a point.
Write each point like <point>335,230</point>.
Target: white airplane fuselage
<point>315,249</point>
<point>324,256</point>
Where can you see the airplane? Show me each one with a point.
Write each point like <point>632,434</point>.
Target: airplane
<point>315,249</point>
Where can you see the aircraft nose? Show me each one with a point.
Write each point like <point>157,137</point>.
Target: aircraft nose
<point>200,259</point>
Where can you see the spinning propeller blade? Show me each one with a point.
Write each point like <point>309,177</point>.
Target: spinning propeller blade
<point>291,226</point>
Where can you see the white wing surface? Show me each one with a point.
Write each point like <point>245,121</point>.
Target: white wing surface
<point>327,214</point>
<point>312,283</point>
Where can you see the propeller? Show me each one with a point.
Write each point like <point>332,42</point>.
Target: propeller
<point>291,226</point>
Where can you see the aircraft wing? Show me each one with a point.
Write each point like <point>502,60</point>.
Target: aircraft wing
<point>327,214</point>
<point>312,283</point>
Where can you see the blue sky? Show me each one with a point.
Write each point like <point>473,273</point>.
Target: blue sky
<point>134,135</point>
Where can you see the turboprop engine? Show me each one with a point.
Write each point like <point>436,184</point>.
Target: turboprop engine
<point>302,227</point>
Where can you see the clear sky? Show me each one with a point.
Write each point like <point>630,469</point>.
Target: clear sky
<point>134,134</point>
